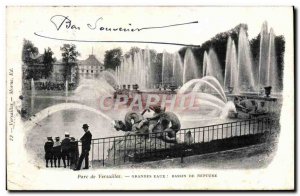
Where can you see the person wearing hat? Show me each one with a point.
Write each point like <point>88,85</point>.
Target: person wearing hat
<point>57,152</point>
<point>65,150</point>
<point>86,140</point>
<point>48,150</point>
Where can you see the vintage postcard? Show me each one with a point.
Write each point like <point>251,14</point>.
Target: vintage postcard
<point>150,98</point>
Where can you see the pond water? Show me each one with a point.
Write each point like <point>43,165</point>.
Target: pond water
<point>71,119</point>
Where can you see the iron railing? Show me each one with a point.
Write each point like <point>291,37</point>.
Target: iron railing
<point>143,147</point>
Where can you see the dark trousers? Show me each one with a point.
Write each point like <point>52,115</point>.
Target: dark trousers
<point>84,155</point>
<point>47,160</point>
<point>56,157</point>
<point>73,159</point>
<point>65,157</point>
<point>48,157</point>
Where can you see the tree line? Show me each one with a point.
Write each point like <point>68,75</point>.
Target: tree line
<point>40,66</point>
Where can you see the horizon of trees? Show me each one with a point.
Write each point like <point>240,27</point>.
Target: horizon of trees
<point>31,57</point>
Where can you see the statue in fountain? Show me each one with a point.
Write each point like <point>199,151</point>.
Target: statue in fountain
<point>262,109</point>
<point>135,123</point>
<point>250,107</point>
<point>237,102</point>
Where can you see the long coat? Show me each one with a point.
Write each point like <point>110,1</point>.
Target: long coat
<point>48,147</point>
<point>86,140</point>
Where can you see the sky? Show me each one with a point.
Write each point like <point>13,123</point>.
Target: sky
<point>210,21</point>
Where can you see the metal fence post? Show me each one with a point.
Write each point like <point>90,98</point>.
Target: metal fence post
<point>213,132</point>
<point>240,128</point>
<point>222,131</point>
<point>135,145</point>
<point>208,134</point>
<point>114,151</point>
<point>249,127</point>
<point>194,135</point>
<point>125,149</point>
<point>155,145</point>
<point>92,153</point>
<point>203,134</point>
<point>103,151</point>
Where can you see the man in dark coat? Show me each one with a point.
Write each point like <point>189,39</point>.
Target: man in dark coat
<point>86,140</point>
<point>65,150</point>
<point>48,151</point>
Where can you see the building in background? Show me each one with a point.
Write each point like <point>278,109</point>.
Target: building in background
<point>90,67</point>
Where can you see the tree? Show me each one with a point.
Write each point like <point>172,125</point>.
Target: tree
<point>280,50</point>
<point>132,51</point>
<point>28,52</point>
<point>112,58</point>
<point>48,61</point>
<point>69,58</point>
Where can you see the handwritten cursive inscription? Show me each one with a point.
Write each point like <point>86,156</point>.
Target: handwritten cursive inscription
<point>64,22</point>
<point>60,21</point>
<point>102,28</point>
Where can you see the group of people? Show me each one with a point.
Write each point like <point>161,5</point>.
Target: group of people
<point>67,150</point>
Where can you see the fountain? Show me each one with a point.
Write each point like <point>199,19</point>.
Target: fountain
<point>268,73</point>
<point>177,69</point>
<point>272,76</point>
<point>263,55</point>
<point>196,85</point>
<point>212,65</point>
<point>215,98</point>
<point>109,77</point>
<point>66,88</point>
<point>167,68</point>
<point>149,68</point>
<point>231,79</point>
<point>245,69</point>
<point>190,70</point>
<point>240,76</point>
<point>135,69</point>
<point>93,89</point>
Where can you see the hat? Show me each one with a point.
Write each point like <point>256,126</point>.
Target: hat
<point>67,134</point>
<point>49,138</point>
<point>85,126</point>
